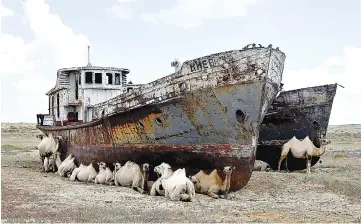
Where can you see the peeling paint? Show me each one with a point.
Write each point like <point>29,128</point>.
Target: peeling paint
<point>204,116</point>
<point>300,112</point>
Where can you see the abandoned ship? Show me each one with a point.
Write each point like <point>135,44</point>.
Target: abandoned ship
<point>205,115</point>
<point>299,112</point>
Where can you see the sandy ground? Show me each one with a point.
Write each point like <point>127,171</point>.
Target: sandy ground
<point>331,193</point>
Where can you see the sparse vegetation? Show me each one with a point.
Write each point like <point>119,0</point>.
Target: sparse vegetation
<point>9,146</point>
<point>340,155</point>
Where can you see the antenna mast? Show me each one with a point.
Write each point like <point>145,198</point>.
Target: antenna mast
<point>89,57</point>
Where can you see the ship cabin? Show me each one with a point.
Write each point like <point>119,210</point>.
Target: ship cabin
<point>78,89</point>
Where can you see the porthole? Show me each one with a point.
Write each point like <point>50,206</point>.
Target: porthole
<point>240,116</point>
<point>140,124</point>
<point>159,121</point>
<point>316,124</point>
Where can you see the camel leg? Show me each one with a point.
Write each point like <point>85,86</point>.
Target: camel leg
<point>74,174</point>
<point>116,182</point>
<point>42,169</point>
<point>279,163</point>
<point>308,165</point>
<point>286,163</point>
<point>153,191</point>
<point>184,197</point>
<point>135,186</point>
<point>211,193</point>
<point>284,153</point>
<point>176,194</point>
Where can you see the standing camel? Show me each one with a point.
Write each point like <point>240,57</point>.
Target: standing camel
<point>304,149</point>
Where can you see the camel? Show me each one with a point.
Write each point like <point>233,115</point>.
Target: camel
<point>105,175</point>
<point>304,149</point>
<point>163,170</point>
<point>65,167</point>
<point>131,174</point>
<point>179,187</point>
<point>260,165</point>
<point>84,173</point>
<point>47,147</point>
<point>211,184</point>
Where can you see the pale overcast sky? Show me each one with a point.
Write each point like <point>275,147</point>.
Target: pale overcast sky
<point>321,40</point>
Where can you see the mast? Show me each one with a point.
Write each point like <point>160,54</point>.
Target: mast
<point>89,65</point>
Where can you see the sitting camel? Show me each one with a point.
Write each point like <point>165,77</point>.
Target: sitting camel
<point>65,167</point>
<point>163,170</point>
<point>178,187</point>
<point>260,165</point>
<point>211,184</point>
<point>84,173</point>
<point>105,175</point>
<point>304,149</point>
<point>131,174</point>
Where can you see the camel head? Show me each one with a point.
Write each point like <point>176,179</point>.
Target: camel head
<point>228,169</point>
<point>117,166</point>
<point>102,165</point>
<point>145,167</point>
<point>324,142</point>
<point>160,169</point>
<point>194,179</point>
<point>195,182</point>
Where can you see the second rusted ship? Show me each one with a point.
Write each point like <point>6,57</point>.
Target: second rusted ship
<point>299,112</point>
<point>206,115</point>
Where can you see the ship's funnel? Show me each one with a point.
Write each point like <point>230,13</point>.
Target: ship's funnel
<point>176,64</point>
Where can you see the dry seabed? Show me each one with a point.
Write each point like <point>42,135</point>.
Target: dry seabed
<point>331,193</point>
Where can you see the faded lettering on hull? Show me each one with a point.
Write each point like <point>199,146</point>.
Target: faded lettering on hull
<point>198,64</point>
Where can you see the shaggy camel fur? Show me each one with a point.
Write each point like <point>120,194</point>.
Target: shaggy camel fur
<point>65,167</point>
<point>163,170</point>
<point>105,175</point>
<point>131,174</point>
<point>304,149</point>
<point>47,146</point>
<point>260,165</point>
<point>179,187</point>
<point>84,173</point>
<point>212,184</point>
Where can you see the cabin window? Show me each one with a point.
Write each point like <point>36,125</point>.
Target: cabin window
<point>52,105</point>
<point>79,79</point>
<point>109,78</point>
<point>98,77</point>
<point>88,77</point>
<point>76,90</point>
<point>117,78</point>
<point>57,104</point>
<point>124,79</point>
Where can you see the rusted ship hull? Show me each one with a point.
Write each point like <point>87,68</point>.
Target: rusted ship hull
<point>206,116</point>
<point>301,112</point>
